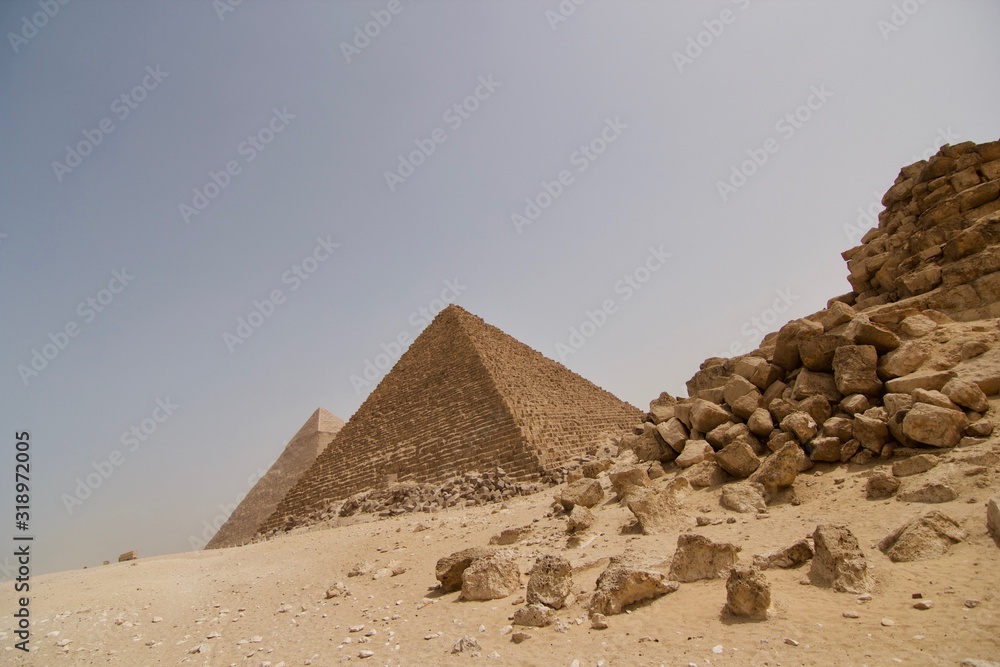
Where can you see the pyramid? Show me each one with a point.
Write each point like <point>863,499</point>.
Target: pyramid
<point>300,453</point>
<point>464,397</point>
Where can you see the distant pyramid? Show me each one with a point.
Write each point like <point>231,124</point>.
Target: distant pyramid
<point>464,397</point>
<point>300,453</point>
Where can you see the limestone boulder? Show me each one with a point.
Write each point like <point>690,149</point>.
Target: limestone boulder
<point>629,481</point>
<point>674,433</point>
<point>993,517</point>
<point>738,459</point>
<point>881,484</point>
<point>744,497</point>
<point>698,557</point>
<point>491,578</point>
<point>748,594</point>
<point>779,470</point>
<point>586,492</point>
<point>967,394</point>
<point>817,352</point>
<point>905,384</point>
<point>809,383</point>
<point>695,451</point>
<point>706,415</point>
<point>914,465</point>
<point>872,433</point>
<point>786,347</point>
<point>450,568</point>
<point>825,449</point>
<point>550,582</point>
<point>760,422</point>
<point>926,537</point>
<point>855,370</point>
<point>933,425</point>
<point>839,562</point>
<point>579,519</point>
<point>801,425</point>
<point>534,616</point>
<point>705,474</point>
<point>791,556</point>
<point>621,585</point>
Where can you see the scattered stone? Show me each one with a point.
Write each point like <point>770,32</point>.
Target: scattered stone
<point>923,605</point>
<point>580,518</point>
<point>629,481</point>
<point>854,370</point>
<point>791,642</point>
<point>466,644</point>
<point>365,654</point>
<point>851,614</point>
<point>706,415</point>
<point>586,492</point>
<point>695,451</point>
<point>621,585</point>
<point>927,491</point>
<point>993,517</point>
<point>778,471</point>
<point>519,637</point>
<point>790,556</point>
<point>449,569</point>
<point>705,474</point>
<point>971,603</point>
<point>656,509</point>
<point>881,484</point>
<point>918,380</point>
<point>929,536</point>
<point>360,569</point>
<point>888,622</point>
<point>914,465</point>
<point>550,582</point>
<point>748,594</point>
<point>839,561</point>
<point>745,497</point>
<point>599,622</point>
<point>698,557</point>
<point>738,459</point>
<point>967,394</point>
<point>491,578</point>
<point>760,422</point>
<point>510,536</point>
<point>534,616</point>
<point>871,432</point>
<point>933,425</point>
<point>826,449</point>
<point>801,425</point>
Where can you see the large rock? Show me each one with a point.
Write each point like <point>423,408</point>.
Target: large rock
<point>790,556</point>
<point>706,415</point>
<point>881,484</point>
<point>786,345</point>
<point>674,433</point>
<point>705,474</point>
<point>698,557</point>
<point>627,482</point>
<point>919,380</point>
<point>695,451</point>
<point>872,433</point>
<point>933,490</point>
<point>825,449</point>
<point>809,383</point>
<point>534,616</point>
<point>491,578</point>
<point>839,562</point>
<point>933,425</point>
<point>864,332</point>
<point>450,568</point>
<point>745,498</point>
<point>967,394</point>
<point>579,519</point>
<point>817,352</point>
<point>801,425</point>
<point>761,424</point>
<point>550,582</point>
<point>748,595</point>
<point>914,465</point>
<point>778,471</point>
<point>738,459</point>
<point>621,585</point>
<point>662,409</point>
<point>855,370</point>
<point>926,537</point>
<point>736,387</point>
<point>759,371</point>
<point>656,509</point>
<point>586,492</point>
<point>904,360</point>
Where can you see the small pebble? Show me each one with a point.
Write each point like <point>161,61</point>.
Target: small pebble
<point>717,650</point>
<point>851,614</point>
<point>923,605</point>
<point>971,603</point>
<point>791,642</point>
<point>888,622</point>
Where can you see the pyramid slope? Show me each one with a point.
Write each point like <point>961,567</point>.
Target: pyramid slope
<point>299,454</point>
<point>459,400</point>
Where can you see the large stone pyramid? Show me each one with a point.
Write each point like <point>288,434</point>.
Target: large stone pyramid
<point>300,453</point>
<point>464,397</point>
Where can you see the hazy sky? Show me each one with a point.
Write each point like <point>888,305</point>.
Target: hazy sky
<point>170,168</point>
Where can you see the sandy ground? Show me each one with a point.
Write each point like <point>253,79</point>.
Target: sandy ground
<point>155,610</point>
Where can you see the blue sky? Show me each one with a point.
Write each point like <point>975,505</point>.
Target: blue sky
<point>680,173</point>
